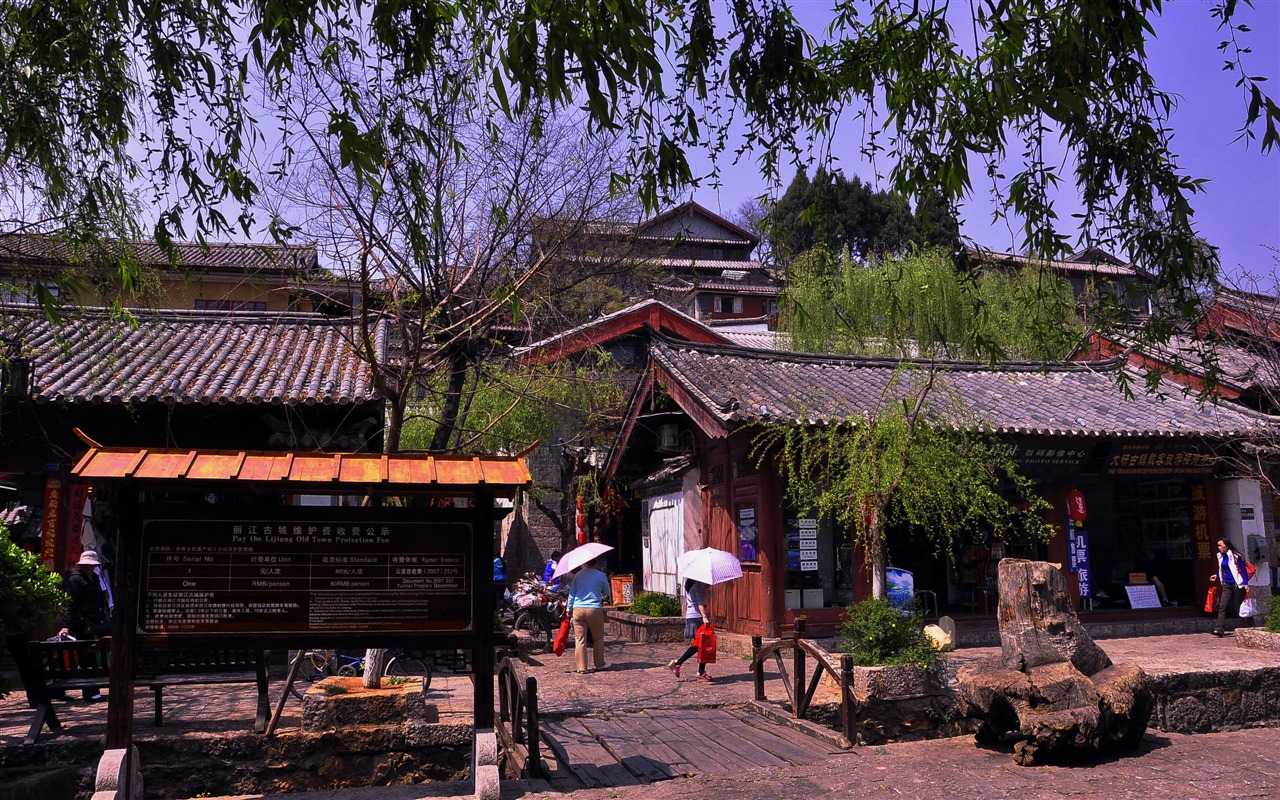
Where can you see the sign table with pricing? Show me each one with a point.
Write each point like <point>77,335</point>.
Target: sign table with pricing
<point>298,576</point>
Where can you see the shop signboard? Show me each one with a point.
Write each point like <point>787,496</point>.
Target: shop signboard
<point>1158,458</point>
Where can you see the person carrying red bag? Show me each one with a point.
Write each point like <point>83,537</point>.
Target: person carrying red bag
<point>1232,580</point>
<point>695,615</point>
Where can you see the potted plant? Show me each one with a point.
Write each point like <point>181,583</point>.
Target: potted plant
<point>892,656</point>
<point>1268,636</point>
<point>652,617</point>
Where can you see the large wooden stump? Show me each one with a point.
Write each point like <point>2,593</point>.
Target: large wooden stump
<point>1052,684</point>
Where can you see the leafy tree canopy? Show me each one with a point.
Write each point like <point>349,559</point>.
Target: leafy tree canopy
<point>108,107</point>
<point>841,213</point>
<point>920,305</point>
<point>510,406</point>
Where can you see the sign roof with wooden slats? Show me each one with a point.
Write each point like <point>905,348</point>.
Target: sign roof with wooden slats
<point>309,471</point>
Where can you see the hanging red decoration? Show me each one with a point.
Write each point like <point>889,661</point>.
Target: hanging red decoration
<point>1075,505</point>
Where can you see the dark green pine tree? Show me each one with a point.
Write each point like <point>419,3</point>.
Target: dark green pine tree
<point>840,213</point>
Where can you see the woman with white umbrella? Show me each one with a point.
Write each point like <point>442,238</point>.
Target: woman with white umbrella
<point>695,612</point>
<point>701,569</point>
<point>588,593</point>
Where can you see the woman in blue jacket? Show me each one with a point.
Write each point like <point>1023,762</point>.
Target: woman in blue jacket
<point>588,594</point>
<point>1233,581</point>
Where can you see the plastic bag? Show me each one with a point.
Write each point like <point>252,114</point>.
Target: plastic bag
<point>562,638</point>
<point>1211,600</point>
<point>707,644</point>
<point>1248,607</point>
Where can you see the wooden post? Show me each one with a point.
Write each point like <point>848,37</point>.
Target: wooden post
<point>758,669</point>
<point>533,764</point>
<point>797,669</point>
<point>504,694</point>
<point>846,698</point>
<point>124,622</point>
<point>482,577</point>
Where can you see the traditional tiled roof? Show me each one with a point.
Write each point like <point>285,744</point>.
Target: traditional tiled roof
<point>1088,262</point>
<point>188,357</point>
<point>1255,304</point>
<point>236,256</point>
<point>651,313</point>
<point>678,285</point>
<point>1239,368</point>
<point>740,386</point>
<point>756,339</point>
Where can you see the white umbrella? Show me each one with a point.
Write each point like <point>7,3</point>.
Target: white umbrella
<point>579,556</point>
<point>709,565</point>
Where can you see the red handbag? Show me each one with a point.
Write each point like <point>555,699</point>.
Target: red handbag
<point>562,638</point>
<point>1211,601</point>
<point>706,639</point>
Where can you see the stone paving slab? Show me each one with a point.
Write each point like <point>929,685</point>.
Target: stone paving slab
<point>1231,764</point>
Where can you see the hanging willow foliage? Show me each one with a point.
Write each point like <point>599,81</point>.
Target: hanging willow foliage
<point>917,459</point>
<point>921,305</point>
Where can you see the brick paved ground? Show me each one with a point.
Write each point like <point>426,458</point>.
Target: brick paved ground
<point>1242,763</point>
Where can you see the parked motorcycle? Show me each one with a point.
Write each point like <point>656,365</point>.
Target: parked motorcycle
<point>538,611</point>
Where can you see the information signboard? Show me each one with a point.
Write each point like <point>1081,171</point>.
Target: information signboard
<point>330,573</point>
<point>1143,596</point>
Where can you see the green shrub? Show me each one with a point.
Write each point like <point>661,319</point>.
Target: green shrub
<point>30,595</point>
<point>877,633</point>
<point>1273,614</point>
<point>652,604</point>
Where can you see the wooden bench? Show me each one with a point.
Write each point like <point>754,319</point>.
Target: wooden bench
<point>58,667</point>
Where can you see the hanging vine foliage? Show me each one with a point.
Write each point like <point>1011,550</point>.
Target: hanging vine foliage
<point>917,459</point>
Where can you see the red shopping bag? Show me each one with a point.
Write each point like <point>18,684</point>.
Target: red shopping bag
<point>1250,570</point>
<point>1211,601</point>
<point>562,638</point>
<point>706,639</point>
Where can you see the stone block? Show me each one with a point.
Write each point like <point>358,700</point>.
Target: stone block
<point>1257,639</point>
<point>893,682</point>
<point>338,702</point>
<point>941,640</point>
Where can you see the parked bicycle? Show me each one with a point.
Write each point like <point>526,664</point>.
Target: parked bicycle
<point>319,664</point>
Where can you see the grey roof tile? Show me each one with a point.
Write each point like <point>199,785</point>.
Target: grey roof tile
<point>188,357</point>
<point>239,256</point>
<point>741,386</point>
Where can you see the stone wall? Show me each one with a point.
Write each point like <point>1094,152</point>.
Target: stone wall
<point>1203,702</point>
<point>218,764</point>
<point>643,629</point>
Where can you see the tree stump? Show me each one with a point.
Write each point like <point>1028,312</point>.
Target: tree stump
<point>1052,683</point>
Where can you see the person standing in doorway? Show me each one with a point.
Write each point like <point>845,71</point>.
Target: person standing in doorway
<point>588,594</point>
<point>695,615</point>
<point>1233,580</point>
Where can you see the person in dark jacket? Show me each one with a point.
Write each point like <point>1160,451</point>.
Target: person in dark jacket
<point>86,616</point>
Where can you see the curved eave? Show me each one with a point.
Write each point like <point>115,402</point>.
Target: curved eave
<point>330,473</point>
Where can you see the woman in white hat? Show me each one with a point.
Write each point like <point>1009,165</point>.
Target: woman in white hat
<point>86,614</point>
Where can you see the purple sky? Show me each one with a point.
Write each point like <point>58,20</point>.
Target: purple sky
<point>1240,209</point>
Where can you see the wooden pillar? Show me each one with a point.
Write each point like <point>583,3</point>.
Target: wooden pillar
<point>124,620</point>
<point>482,578</point>
<point>770,549</point>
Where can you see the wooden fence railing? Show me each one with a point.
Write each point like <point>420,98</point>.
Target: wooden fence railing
<point>799,695</point>
<point>517,722</point>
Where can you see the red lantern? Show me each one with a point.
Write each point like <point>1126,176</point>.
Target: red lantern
<point>1075,506</point>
